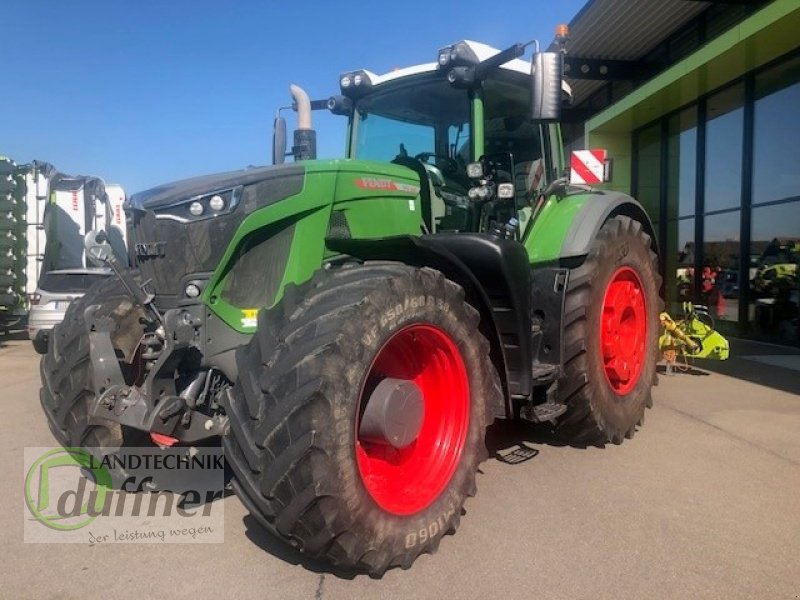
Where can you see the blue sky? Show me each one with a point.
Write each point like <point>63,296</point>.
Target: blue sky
<point>145,92</point>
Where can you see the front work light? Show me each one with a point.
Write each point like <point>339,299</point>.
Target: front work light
<point>505,191</point>
<point>475,170</point>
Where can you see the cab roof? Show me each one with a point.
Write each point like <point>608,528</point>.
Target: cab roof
<point>482,51</point>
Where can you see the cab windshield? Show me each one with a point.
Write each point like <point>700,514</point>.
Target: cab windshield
<point>426,119</point>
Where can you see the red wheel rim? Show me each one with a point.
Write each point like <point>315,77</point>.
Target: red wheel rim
<point>623,334</point>
<point>405,481</point>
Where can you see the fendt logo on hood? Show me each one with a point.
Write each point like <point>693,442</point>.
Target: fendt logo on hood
<point>151,249</point>
<point>373,183</point>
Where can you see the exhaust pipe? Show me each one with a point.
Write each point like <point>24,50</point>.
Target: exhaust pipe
<point>305,138</point>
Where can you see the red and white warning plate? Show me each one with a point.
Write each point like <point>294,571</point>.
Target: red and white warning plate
<point>587,167</point>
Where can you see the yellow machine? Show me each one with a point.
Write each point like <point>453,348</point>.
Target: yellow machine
<point>692,336</point>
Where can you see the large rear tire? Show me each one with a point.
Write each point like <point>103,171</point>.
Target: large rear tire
<point>66,370</point>
<point>301,461</point>
<point>610,337</point>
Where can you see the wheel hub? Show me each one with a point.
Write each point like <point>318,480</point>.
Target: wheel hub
<point>393,414</point>
<point>623,330</point>
<point>414,419</point>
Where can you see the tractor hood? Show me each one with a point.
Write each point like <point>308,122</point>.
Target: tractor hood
<point>167,194</point>
<point>166,239</point>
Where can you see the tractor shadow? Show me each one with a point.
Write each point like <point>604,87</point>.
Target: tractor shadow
<point>12,335</point>
<point>677,370</point>
<point>280,550</point>
<point>509,441</point>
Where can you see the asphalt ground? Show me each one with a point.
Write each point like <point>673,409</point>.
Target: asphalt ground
<point>704,502</point>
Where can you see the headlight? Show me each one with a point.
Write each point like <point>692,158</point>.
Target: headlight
<point>192,290</point>
<point>205,206</point>
<point>217,203</point>
<point>355,84</point>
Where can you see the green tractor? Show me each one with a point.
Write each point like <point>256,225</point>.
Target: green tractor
<point>350,328</point>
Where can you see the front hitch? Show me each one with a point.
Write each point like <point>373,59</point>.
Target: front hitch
<point>171,417</point>
<point>153,404</point>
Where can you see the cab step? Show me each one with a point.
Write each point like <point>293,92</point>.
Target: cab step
<point>545,373</point>
<point>545,412</point>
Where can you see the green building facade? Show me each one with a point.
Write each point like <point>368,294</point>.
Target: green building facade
<point>702,117</point>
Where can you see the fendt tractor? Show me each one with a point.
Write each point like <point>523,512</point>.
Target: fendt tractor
<point>349,328</point>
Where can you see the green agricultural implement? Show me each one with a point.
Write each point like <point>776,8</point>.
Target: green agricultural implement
<point>351,327</point>
<point>691,336</point>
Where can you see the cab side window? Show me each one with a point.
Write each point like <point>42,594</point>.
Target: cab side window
<point>510,131</point>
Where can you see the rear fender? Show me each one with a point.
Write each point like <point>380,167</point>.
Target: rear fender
<point>566,227</point>
<point>594,213</point>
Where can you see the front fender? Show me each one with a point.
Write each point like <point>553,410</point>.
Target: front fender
<point>495,276</point>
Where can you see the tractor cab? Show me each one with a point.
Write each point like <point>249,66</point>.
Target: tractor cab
<point>474,104</point>
<point>440,117</point>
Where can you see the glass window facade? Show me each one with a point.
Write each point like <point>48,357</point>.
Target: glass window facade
<point>721,241</point>
<point>774,252</point>
<point>727,194</point>
<point>680,207</point>
<point>723,153</point>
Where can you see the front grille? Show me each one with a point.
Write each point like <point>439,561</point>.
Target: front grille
<point>258,269</point>
<point>338,227</point>
<point>168,252</point>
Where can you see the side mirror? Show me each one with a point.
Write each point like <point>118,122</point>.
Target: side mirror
<point>589,167</point>
<point>98,250</point>
<point>279,141</point>
<point>546,77</point>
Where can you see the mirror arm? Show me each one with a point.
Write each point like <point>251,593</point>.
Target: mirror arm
<point>138,293</point>
<point>498,59</point>
<point>557,187</point>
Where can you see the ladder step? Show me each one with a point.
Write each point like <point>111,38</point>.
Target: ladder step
<point>547,411</point>
<point>516,454</point>
<point>544,372</point>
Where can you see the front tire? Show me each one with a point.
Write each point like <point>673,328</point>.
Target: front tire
<point>301,463</point>
<point>610,337</point>
<point>67,389</point>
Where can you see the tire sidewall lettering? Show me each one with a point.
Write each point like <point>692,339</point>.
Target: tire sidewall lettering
<point>411,307</point>
<point>430,531</point>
